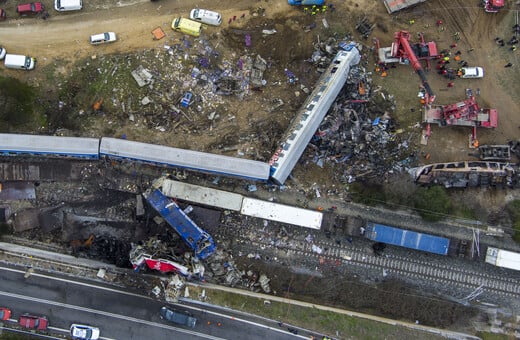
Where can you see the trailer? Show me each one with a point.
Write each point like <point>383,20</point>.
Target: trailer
<point>503,258</point>
<point>200,242</point>
<point>406,238</point>
<point>282,213</point>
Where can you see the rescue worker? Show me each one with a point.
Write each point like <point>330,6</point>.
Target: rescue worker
<point>324,8</point>
<point>446,59</point>
<point>513,48</point>
<point>451,84</point>
<point>457,58</point>
<point>411,21</point>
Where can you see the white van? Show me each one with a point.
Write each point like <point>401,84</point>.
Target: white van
<point>103,38</point>
<point>68,5</point>
<point>19,62</point>
<point>472,72</point>
<point>206,17</point>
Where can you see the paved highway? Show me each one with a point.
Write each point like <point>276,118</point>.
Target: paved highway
<point>118,313</point>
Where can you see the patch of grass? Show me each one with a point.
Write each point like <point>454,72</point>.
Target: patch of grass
<point>513,208</point>
<point>326,322</point>
<point>433,203</point>
<point>493,336</point>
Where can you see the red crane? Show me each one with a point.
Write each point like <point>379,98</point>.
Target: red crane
<point>402,49</point>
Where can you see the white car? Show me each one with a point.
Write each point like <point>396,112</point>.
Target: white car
<point>472,72</point>
<point>84,332</point>
<point>103,38</point>
<point>206,17</point>
<point>2,53</point>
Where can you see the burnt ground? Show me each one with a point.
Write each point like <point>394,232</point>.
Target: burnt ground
<point>250,123</point>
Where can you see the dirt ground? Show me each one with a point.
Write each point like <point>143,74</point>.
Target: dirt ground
<point>63,39</point>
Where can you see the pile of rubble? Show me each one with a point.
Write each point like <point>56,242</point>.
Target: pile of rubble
<point>359,135</point>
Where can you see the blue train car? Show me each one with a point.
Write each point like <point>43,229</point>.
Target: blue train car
<point>200,241</point>
<point>407,238</point>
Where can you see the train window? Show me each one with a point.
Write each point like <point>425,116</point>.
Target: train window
<point>292,136</point>
<point>305,116</point>
<point>334,70</point>
<point>310,107</point>
<point>439,166</point>
<point>316,98</point>
<point>450,166</point>
<point>286,146</point>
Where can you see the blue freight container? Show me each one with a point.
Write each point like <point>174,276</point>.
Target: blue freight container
<point>407,238</point>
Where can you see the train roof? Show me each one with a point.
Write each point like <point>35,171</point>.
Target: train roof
<point>198,194</point>
<point>281,213</point>
<point>312,112</point>
<point>194,160</point>
<point>49,145</point>
<point>407,238</point>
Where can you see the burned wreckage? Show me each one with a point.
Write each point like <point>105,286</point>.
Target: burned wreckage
<point>468,174</point>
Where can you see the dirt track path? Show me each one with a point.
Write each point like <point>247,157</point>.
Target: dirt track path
<point>65,36</point>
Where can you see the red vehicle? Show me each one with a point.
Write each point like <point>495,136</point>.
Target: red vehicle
<point>31,8</point>
<point>33,322</point>
<point>5,313</point>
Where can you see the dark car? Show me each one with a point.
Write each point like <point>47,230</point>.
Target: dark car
<point>31,8</point>
<point>5,313</point>
<point>178,317</point>
<point>33,322</point>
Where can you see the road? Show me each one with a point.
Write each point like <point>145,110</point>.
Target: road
<point>119,314</point>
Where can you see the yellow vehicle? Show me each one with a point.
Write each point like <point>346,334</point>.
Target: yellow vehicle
<point>187,26</point>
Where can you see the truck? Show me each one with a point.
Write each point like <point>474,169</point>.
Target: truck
<point>306,2</point>
<point>20,62</point>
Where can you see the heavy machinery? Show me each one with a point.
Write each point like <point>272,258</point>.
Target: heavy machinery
<point>493,6</point>
<point>405,53</point>
<point>463,113</point>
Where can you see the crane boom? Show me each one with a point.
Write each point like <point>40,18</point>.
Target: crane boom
<point>402,40</point>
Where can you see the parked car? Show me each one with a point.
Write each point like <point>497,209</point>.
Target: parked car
<point>180,318</point>
<point>103,38</point>
<point>5,313</point>
<point>3,52</point>
<point>84,332</point>
<point>33,322</point>
<point>30,8</point>
<point>3,16</point>
<point>206,17</point>
<point>472,72</point>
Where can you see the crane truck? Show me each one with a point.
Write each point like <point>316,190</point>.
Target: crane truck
<point>405,53</point>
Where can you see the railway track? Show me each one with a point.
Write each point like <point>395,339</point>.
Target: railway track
<point>468,278</point>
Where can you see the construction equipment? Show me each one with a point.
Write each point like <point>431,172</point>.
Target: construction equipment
<point>463,113</point>
<point>493,6</point>
<point>405,53</point>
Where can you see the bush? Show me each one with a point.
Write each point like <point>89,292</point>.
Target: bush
<point>432,203</point>
<point>513,208</point>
